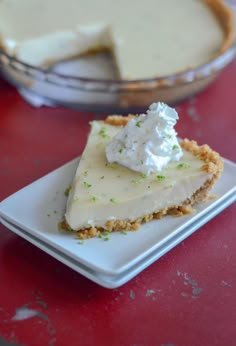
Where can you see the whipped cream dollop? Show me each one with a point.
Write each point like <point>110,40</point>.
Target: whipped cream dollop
<point>148,142</point>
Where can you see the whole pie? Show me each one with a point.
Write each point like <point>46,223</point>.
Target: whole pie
<point>111,197</point>
<point>147,39</point>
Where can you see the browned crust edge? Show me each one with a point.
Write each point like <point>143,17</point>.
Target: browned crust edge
<point>225,16</point>
<point>118,120</point>
<point>212,163</point>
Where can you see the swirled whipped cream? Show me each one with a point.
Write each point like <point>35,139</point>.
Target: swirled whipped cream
<point>148,142</point>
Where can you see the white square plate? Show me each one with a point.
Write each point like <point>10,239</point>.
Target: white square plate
<point>35,211</point>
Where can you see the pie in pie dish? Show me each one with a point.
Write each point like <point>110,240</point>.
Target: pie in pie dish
<point>147,39</point>
<point>111,197</point>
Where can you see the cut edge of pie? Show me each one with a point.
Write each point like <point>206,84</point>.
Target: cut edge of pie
<point>212,163</point>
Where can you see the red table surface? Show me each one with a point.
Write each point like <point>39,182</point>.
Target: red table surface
<point>188,297</point>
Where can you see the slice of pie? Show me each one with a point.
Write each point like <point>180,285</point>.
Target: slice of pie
<point>111,197</point>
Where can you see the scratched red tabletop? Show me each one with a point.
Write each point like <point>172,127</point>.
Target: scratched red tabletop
<point>187,297</point>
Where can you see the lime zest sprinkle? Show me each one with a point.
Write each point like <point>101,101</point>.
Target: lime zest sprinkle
<point>175,147</point>
<point>105,235</point>
<point>139,180</point>
<point>113,200</point>
<point>120,150</point>
<point>112,165</point>
<point>183,165</point>
<point>168,136</point>
<point>85,173</point>
<point>160,177</point>
<point>102,177</point>
<point>138,124</point>
<point>87,184</point>
<point>93,198</point>
<point>67,190</point>
<point>103,132</point>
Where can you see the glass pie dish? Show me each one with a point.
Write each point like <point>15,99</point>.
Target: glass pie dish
<point>94,92</point>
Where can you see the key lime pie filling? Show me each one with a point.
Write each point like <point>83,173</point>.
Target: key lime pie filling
<point>147,39</point>
<point>134,169</point>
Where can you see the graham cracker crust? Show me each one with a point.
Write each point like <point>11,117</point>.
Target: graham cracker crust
<point>225,17</point>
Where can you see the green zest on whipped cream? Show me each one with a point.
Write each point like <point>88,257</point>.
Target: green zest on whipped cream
<point>148,142</point>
